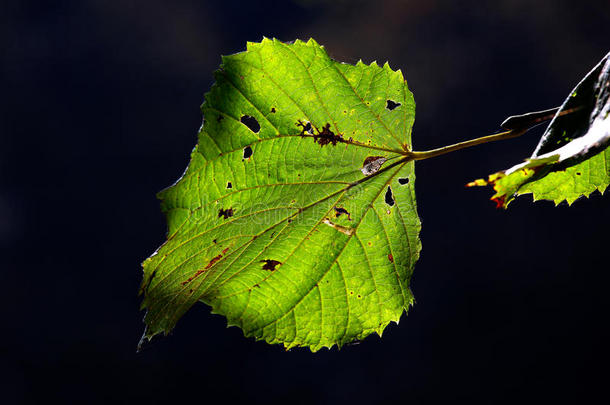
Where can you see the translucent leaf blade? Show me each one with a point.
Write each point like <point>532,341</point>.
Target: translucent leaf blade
<point>274,223</point>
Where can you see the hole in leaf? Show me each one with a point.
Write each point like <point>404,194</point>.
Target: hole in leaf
<point>340,211</point>
<point>403,180</point>
<point>251,123</point>
<point>219,118</point>
<point>270,264</point>
<point>390,104</point>
<point>306,127</point>
<point>273,110</point>
<point>389,197</point>
<point>229,185</point>
<point>247,152</point>
<point>225,213</point>
<point>578,173</point>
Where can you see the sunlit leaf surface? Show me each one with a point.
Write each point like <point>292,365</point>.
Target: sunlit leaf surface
<point>296,217</point>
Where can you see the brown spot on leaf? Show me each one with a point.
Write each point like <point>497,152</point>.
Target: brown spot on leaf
<point>211,262</point>
<point>372,164</point>
<point>270,264</point>
<point>391,258</point>
<point>370,159</point>
<point>225,213</point>
<point>327,136</point>
<point>343,229</point>
<point>201,271</point>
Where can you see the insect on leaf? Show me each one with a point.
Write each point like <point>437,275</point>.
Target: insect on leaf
<point>572,158</point>
<point>275,224</point>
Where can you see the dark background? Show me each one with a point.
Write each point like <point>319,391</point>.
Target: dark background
<point>100,108</point>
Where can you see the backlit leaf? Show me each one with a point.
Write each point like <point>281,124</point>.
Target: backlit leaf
<point>296,217</point>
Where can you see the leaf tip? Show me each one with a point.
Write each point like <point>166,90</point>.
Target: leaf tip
<point>145,340</point>
<point>477,183</point>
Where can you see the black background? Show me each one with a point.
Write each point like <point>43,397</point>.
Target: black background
<point>100,108</point>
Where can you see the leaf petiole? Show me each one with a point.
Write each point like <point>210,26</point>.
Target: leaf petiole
<point>516,126</point>
<point>415,155</point>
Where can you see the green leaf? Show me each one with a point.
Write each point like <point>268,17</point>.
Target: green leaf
<point>296,217</point>
<point>572,158</point>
